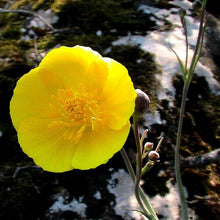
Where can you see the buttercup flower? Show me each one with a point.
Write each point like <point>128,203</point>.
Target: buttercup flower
<point>73,110</point>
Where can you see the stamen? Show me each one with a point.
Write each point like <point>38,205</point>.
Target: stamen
<point>76,112</point>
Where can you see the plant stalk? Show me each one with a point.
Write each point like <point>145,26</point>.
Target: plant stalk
<point>138,163</point>
<point>129,167</point>
<point>140,195</point>
<point>183,204</point>
<point>187,81</point>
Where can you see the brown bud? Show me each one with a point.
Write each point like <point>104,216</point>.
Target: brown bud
<point>142,102</point>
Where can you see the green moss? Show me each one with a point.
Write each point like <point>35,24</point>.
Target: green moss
<point>58,4</point>
<point>46,42</point>
<point>11,32</point>
<point>34,5</point>
<point>15,58</point>
<point>14,19</point>
<point>8,49</point>
<point>68,38</point>
<point>14,49</point>
<point>3,3</point>
<point>42,4</point>
<point>21,3</point>
<point>103,15</point>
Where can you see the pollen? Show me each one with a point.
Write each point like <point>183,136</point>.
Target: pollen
<point>78,112</point>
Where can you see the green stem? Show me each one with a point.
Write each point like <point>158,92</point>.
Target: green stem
<point>183,20</point>
<point>139,169</point>
<point>128,164</point>
<point>129,167</point>
<point>184,208</point>
<point>139,163</point>
<point>138,145</point>
<point>153,215</point>
<point>159,144</point>
<point>199,42</point>
<point>147,167</point>
<point>187,82</point>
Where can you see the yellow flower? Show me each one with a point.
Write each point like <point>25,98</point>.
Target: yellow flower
<point>73,110</point>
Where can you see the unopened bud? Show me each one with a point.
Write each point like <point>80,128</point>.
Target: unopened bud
<point>197,5</point>
<point>142,102</point>
<point>182,12</point>
<point>153,155</point>
<point>148,146</point>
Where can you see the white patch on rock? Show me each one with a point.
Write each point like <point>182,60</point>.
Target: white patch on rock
<point>153,118</point>
<point>122,187</point>
<point>98,195</point>
<point>74,206</point>
<point>99,33</point>
<point>169,205</point>
<point>183,4</point>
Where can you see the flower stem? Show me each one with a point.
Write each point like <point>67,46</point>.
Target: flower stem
<point>139,193</point>
<point>184,209</point>
<point>128,164</point>
<point>129,167</point>
<point>139,163</point>
<point>187,82</point>
<point>199,42</point>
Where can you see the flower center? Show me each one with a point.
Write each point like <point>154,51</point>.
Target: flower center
<point>77,112</point>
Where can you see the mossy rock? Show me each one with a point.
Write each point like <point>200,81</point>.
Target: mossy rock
<point>11,32</point>
<point>71,38</point>
<point>15,58</point>
<point>90,16</point>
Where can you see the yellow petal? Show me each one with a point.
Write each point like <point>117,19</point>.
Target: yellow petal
<point>46,146</point>
<point>76,66</point>
<point>97,147</point>
<point>32,94</point>
<point>118,98</point>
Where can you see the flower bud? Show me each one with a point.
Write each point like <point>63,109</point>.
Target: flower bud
<point>142,102</point>
<point>197,5</point>
<point>153,155</point>
<point>182,12</point>
<point>148,146</point>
